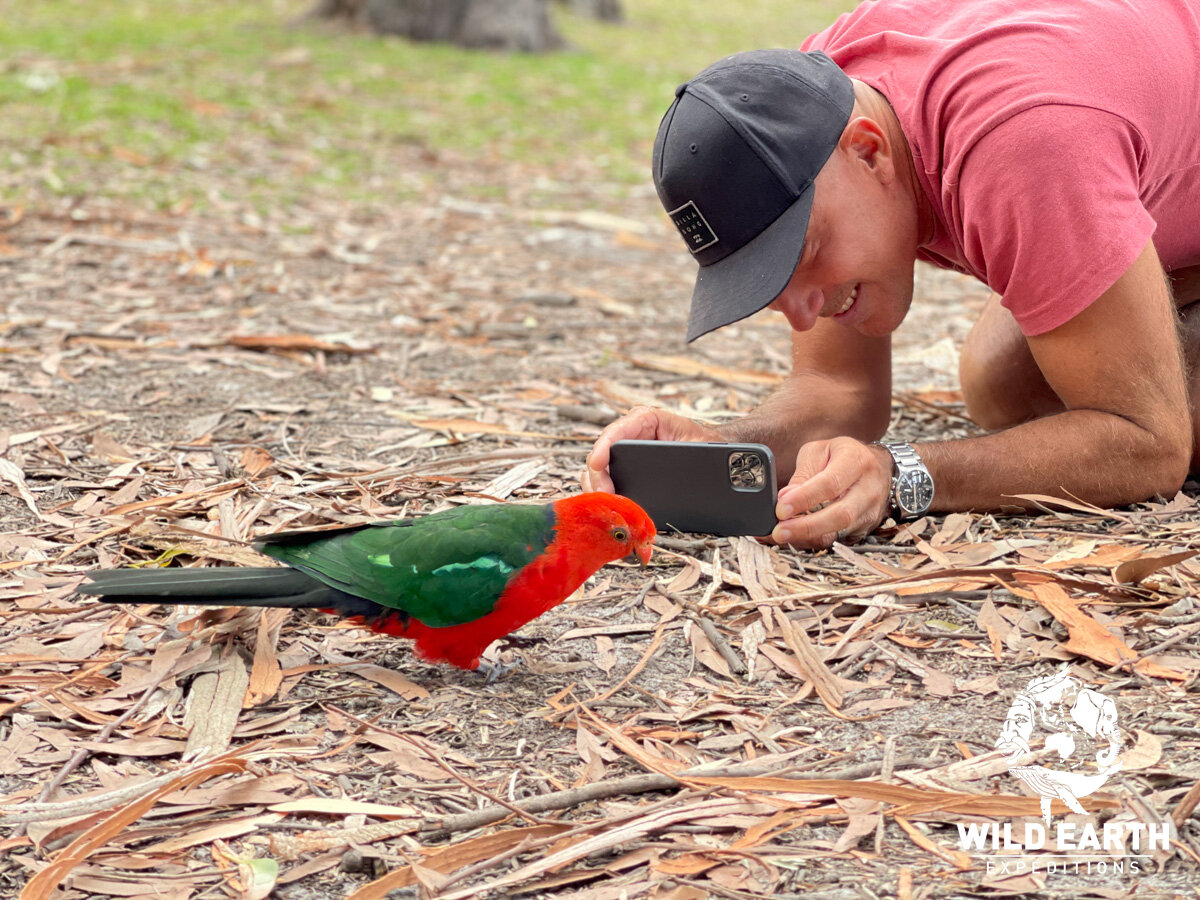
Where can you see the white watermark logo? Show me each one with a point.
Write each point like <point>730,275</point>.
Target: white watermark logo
<point>1071,716</point>
<point>1073,729</point>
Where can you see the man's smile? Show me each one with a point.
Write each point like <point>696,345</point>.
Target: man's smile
<point>850,300</point>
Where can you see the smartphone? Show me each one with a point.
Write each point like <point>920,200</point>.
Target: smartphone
<point>708,488</point>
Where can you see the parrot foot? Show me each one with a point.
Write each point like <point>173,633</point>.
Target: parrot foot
<point>522,640</point>
<point>495,672</point>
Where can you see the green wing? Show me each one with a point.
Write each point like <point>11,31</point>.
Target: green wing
<point>445,569</point>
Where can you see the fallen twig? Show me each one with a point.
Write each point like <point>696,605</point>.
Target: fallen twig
<point>722,646</point>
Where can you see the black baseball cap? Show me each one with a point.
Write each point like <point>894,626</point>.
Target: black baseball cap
<point>734,164</point>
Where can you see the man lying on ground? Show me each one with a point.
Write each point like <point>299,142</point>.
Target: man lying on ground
<point>1050,149</point>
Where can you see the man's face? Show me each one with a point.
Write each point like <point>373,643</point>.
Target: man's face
<point>859,251</point>
<point>1018,728</point>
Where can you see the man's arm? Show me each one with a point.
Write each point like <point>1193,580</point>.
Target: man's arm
<point>1126,432</point>
<point>840,384</point>
<point>1124,436</point>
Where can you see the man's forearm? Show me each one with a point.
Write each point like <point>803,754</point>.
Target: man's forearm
<point>811,407</point>
<point>840,385</point>
<point>1126,434</point>
<point>1087,455</point>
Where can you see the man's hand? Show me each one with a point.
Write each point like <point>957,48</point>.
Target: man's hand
<point>641,423</point>
<point>839,493</point>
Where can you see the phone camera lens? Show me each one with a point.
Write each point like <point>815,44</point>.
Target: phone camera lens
<point>746,471</point>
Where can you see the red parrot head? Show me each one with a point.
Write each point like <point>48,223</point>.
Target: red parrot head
<point>611,526</point>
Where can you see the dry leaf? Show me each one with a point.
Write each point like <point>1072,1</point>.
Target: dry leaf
<point>1045,501</point>
<point>1147,752</point>
<point>827,685</point>
<point>214,702</point>
<point>431,879</point>
<point>258,876</point>
<point>857,829</point>
<point>104,447</point>
<point>294,342</point>
<point>390,679</point>
<point>222,830</point>
<point>938,683</point>
<point>756,565</point>
<point>689,864</point>
<point>957,857</point>
<point>456,856</point>
<point>705,653</point>
<point>606,654</point>
<point>590,751</point>
<point>471,426</point>
<point>1091,639</point>
<point>686,578</point>
<point>265,675</point>
<point>984,685</point>
<point>687,365</point>
<point>255,461</point>
<point>43,885</point>
<point>1134,570</point>
<point>14,476</point>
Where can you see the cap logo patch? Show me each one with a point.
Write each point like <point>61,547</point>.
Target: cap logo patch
<point>693,226</point>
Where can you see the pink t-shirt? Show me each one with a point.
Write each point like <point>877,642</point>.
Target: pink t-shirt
<point>1053,138</point>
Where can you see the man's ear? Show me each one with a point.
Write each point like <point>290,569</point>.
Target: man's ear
<point>864,141</point>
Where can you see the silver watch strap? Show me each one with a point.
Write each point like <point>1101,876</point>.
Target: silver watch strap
<point>906,462</point>
<point>904,454</point>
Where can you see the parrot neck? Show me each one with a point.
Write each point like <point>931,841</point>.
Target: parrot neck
<point>566,563</point>
<point>576,554</point>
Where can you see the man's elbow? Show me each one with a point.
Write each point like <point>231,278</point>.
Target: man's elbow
<point>1171,480</point>
<point>1169,461</point>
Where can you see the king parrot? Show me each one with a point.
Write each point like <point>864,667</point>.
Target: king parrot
<point>453,581</point>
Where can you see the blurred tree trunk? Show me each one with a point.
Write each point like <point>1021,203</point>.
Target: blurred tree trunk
<point>496,24</point>
<point>337,9</point>
<point>608,10</point>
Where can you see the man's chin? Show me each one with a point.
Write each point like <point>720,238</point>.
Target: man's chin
<point>872,327</point>
<point>896,310</point>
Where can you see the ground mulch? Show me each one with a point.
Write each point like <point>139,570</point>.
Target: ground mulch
<point>735,721</point>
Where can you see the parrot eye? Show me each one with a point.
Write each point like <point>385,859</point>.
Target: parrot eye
<point>620,534</point>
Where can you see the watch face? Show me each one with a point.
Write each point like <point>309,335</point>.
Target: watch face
<point>914,491</point>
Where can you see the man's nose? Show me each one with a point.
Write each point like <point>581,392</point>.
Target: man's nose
<point>801,307</point>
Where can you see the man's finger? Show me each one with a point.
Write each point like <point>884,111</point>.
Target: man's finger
<point>640,423</point>
<point>817,490</point>
<point>855,514</point>
<point>815,529</point>
<point>597,480</point>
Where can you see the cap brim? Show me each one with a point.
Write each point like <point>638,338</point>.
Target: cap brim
<point>748,280</point>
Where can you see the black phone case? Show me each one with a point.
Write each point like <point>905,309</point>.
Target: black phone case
<point>690,486</point>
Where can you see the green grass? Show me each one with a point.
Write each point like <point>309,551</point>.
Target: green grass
<point>187,102</point>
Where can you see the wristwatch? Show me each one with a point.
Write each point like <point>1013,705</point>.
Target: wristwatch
<point>912,485</point>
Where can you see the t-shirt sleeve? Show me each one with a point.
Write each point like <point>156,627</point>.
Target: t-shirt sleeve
<point>1049,210</point>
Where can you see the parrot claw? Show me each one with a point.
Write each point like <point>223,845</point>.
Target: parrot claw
<point>495,672</point>
<point>522,640</point>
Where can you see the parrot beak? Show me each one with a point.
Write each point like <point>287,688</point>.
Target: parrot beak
<point>643,553</point>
